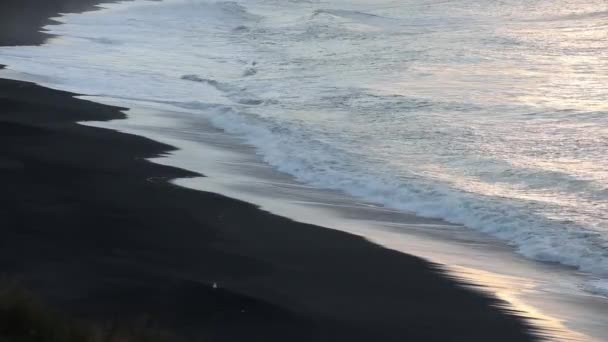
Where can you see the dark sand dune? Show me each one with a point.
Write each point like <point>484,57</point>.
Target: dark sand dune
<point>99,233</point>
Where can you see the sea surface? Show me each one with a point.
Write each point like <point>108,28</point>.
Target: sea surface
<point>489,115</point>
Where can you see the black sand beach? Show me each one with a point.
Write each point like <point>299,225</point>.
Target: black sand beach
<point>99,233</point>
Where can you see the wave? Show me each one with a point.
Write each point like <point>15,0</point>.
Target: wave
<point>211,82</point>
<point>598,287</point>
<point>238,95</point>
<point>349,14</point>
<point>289,150</point>
<point>360,18</point>
<point>576,16</point>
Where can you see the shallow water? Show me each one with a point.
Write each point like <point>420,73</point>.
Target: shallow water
<point>490,115</point>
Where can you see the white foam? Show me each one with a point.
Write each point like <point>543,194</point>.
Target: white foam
<point>534,236</point>
<point>599,287</point>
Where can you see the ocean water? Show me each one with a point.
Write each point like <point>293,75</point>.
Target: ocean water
<point>489,114</point>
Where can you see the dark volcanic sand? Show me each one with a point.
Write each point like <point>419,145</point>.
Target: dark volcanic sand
<point>97,231</point>
<point>21,20</point>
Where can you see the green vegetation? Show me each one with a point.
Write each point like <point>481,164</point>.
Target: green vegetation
<point>24,318</point>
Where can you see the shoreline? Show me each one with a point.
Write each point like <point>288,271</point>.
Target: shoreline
<point>101,242</point>
<point>22,20</point>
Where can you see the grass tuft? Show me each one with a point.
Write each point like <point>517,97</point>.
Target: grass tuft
<point>24,318</point>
